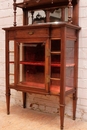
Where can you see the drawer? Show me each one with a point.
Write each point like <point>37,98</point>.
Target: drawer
<point>32,33</point>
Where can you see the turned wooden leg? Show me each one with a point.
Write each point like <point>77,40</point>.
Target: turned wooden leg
<point>62,112</point>
<point>24,100</point>
<point>8,101</point>
<point>74,105</point>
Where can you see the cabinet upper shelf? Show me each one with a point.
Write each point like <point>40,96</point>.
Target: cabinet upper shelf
<point>43,4</point>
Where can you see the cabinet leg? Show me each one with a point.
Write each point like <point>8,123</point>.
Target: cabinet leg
<point>62,111</point>
<point>8,102</point>
<point>24,100</point>
<point>74,105</point>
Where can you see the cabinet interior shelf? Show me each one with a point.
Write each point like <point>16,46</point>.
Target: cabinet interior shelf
<point>55,64</point>
<point>55,52</point>
<point>39,63</point>
<point>55,90</point>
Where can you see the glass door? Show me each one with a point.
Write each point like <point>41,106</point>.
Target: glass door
<point>31,65</point>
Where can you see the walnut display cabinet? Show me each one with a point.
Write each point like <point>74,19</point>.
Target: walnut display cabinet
<point>42,57</point>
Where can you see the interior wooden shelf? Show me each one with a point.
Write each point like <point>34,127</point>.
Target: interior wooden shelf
<point>55,53</point>
<point>53,88</point>
<point>11,62</point>
<point>56,79</point>
<point>33,84</point>
<point>42,64</point>
<point>39,63</point>
<point>55,64</point>
<point>43,4</point>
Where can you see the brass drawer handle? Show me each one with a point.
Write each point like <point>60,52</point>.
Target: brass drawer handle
<point>31,33</point>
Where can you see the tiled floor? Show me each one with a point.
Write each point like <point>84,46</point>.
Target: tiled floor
<point>25,119</point>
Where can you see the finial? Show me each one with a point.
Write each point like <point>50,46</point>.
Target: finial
<point>70,11</point>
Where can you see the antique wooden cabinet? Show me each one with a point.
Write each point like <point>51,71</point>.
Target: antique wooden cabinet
<point>43,57</point>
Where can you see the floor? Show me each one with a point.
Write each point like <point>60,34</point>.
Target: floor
<point>25,119</point>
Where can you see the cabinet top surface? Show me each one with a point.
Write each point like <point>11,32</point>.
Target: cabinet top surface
<point>44,25</point>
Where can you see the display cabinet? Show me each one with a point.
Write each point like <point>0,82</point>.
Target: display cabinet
<point>42,57</point>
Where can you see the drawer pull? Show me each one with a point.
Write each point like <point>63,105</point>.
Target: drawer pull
<point>31,33</point>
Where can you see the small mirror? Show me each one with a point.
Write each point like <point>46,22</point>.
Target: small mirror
<point>54,15</point>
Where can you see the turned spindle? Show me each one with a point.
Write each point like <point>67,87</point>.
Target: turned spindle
<point>14,7</point>
<point>70,11</point>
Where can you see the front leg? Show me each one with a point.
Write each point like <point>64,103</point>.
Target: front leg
<point>8,101</point>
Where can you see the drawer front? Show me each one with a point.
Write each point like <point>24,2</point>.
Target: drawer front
<point>29,33</point>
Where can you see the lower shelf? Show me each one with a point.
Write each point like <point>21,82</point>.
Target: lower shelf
<point>34,85</point>
<point>54,89</point>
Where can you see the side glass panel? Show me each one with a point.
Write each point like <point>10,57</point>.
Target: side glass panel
<point>11,62</point>
<point>31,65</point>
<point>70,64</point>
<point>55,66</point>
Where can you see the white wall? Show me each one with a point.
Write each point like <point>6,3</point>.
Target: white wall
<point>82,73</point>
<point>40,102</point>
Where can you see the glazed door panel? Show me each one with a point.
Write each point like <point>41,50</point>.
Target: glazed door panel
<point>11,62</point>
<point>31,65</point>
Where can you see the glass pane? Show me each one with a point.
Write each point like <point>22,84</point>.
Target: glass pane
<point>55,45</point>
<point>31,64</point>
<point>11,57</point>
<point>11,68</point>
<point>70,63</point>
<point>11,45</point>
<point>11,79</point>
<point>55,66</point>
<point>55,16</point>
<point>11,62</point>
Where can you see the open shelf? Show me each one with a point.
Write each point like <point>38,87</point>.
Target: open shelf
<point>43,4</point>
